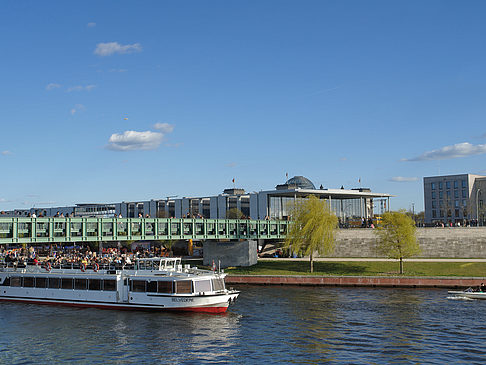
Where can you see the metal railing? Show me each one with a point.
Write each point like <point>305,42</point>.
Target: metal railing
<point>66,229</point>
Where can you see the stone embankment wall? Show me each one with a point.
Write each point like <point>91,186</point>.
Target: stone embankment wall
<point>456,242</point>
<point>236,253</point>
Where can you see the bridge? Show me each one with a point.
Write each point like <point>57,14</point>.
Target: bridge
<point>15,230</point>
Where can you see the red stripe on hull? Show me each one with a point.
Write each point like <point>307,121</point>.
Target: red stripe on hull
<point>213,310</point>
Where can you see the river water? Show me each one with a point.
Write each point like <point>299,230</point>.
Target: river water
<point>267,324</point>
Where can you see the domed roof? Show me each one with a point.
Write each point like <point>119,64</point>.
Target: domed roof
<point>301,182</point>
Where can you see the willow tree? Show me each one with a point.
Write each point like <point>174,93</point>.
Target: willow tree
<point>397,236</point>
<point>312,228</point>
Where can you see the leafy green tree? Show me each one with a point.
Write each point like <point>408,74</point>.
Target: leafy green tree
<point>397,236</point>
<point>312,228</point>
<point>234,213</point>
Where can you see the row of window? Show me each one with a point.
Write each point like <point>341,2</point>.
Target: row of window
<point>449,194</point>
<point>449,213</point>
<point>179,287</point>
<point>149,286</point>
<point>444,204</point>
<point>448,184</point>
<point>60,283</point>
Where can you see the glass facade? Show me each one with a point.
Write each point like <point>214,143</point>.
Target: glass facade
<point>281,206</point>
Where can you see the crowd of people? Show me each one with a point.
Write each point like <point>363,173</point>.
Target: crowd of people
<point>75,256</point>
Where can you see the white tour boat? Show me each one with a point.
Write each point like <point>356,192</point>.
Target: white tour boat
<point>150,284</point>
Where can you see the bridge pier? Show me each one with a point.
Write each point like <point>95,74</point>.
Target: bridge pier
<point>232,253</point>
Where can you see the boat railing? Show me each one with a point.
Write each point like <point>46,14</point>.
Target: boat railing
<point>48,266</point>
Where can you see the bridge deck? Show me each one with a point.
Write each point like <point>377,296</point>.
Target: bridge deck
<point>49,229</point>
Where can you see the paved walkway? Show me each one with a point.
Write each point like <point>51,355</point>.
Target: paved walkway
<point>337,259</point>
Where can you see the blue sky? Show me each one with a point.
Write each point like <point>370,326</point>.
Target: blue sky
<point>123,100</point>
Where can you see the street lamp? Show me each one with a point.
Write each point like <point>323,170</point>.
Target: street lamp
<point>413,213</point>
<point>477,206</point>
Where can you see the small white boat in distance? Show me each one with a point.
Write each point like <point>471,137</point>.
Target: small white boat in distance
<point>150,284</point>
<point>468,293</point>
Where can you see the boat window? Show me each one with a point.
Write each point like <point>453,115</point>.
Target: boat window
<point>94,284</point>
<point>138,286</point>
<point>28,282</point>
<point>16,281</point>
<point>165,287</point>
<point>184,286</point>
<point>80,284</point>
<point>40,282</point>
<point>218,284</point>
<point>202,286</point>
<point>141,265</point>
<point>67,283</point>
<point>54,283</point>
<point>6,282</point>
<point>152,286</point>
<point>109,285</point>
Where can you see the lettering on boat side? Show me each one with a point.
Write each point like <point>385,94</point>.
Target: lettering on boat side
<point>182,299</point>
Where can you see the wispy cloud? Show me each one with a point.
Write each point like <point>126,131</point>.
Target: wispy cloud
<point>120,70</point>
<point>464,149</point>
<point>81,88</point>
<point>52,86</point>
<point>231,164</point>
<point>133,140</point>
<point>6,153</point>
<point>164,127</point>
<point>110,48</point>
<point>78,108</point>
<point>91,25</point>
<point>403,179</point>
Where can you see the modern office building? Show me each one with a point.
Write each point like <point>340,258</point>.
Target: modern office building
<point>78,210</point>
<point>454,198</point>
<point>359,203</point>
<point>348,204</point>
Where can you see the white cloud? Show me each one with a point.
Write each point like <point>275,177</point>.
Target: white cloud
<point>78,108</point>
<point>81,88</point>
<point>107,49</point>
<point>403,179</point>
<point>133,140</point>
<point>164,127</point>
<point>91,25</point>
<point>118,70</point>
<point>52,86</point>
<point>6,153</point>
<point>464,149</point>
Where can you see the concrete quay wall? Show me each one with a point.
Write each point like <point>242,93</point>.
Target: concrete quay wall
<point>456,242</point>
<point>355,281</point>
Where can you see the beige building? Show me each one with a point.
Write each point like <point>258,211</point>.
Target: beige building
<point>454,198</point>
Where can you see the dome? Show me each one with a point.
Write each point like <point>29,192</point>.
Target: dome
<point>301,182</point>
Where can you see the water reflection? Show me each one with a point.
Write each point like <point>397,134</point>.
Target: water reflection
<point>267,325</point>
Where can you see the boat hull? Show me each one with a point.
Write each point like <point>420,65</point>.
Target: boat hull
<point>469,294</point>
<point>211,308</point>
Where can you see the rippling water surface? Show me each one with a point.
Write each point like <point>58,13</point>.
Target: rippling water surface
<point>266,325</point>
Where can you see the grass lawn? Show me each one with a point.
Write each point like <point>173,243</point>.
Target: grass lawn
<point>363,268</point>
